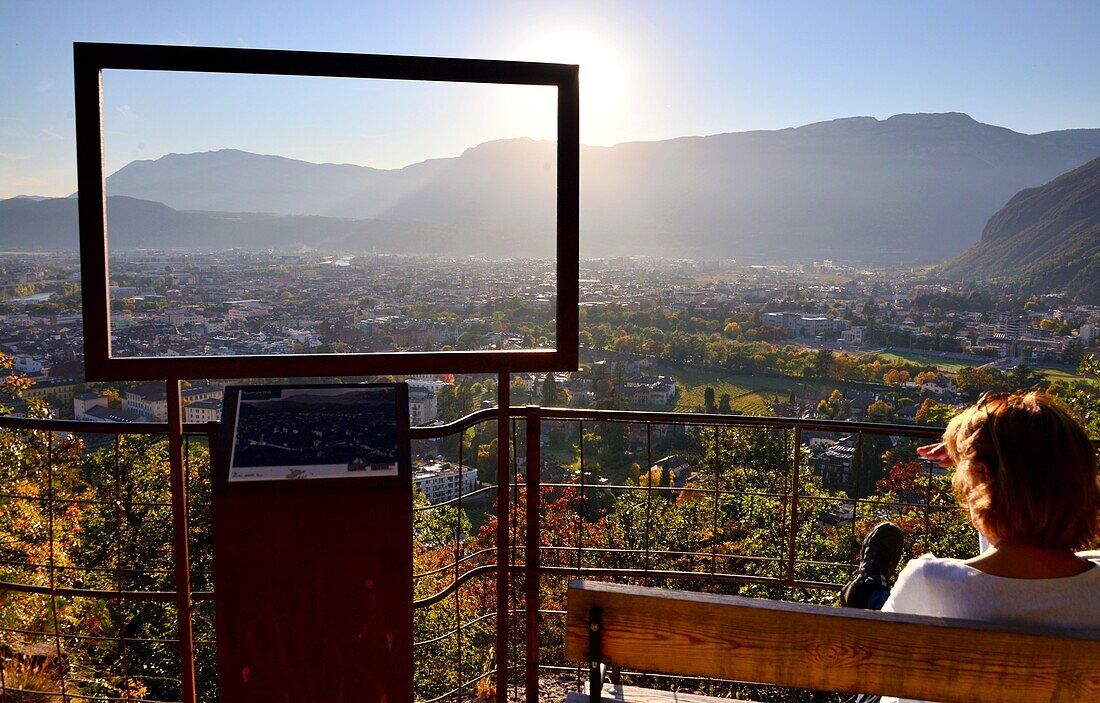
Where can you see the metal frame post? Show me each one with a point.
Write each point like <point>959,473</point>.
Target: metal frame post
<point>532,559</point>
<point>180,547</point>
<point>503,546</point>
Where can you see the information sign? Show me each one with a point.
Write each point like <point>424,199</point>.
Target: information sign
<point>312,544</point>
<point>304,433</point>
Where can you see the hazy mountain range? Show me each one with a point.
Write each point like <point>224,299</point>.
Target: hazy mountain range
<point>1045,239</point>
<point>51,224</point>
<point>912,188</point>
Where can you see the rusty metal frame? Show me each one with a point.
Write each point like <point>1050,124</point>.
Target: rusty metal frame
<point>89,60</point>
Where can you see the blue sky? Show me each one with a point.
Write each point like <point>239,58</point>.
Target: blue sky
<point>649,70</point>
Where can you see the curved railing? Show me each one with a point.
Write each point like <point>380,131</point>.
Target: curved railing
<point>534,560</point>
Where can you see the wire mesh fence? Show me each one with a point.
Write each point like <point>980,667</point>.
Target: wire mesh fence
<point>90,604</point>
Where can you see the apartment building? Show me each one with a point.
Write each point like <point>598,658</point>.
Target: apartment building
<point>442,482</point>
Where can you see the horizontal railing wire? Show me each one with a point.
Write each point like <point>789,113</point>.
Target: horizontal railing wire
<point>583,568</point>
<point>46,593</point>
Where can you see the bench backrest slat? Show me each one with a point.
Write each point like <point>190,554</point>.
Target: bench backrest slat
<point>832,649</point>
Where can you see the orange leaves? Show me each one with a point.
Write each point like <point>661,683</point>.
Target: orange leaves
<point>896,377</point>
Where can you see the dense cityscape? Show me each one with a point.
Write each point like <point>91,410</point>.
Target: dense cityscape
<point>654,314</point>
<point>820,340</point>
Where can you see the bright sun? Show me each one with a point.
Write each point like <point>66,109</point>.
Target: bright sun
<point>603,83</point>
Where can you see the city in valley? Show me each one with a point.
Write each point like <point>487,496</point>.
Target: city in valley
<point>821,339</point>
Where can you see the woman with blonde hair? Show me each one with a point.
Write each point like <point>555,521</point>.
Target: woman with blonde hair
<point>1027,472</point>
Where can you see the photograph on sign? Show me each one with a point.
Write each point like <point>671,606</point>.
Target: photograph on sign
<point>314,433</point>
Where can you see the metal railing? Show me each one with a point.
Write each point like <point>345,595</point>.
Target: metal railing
<point>103,624</point>
<point>541,567</point>
<point>84,617</point>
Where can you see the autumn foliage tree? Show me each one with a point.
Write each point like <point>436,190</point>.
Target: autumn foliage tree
<point>1082,396</point>
<point>896,377</point>
<point>933,413</point>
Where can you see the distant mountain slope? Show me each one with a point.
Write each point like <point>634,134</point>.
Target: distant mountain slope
<point>910,188</point>
<point>1047,239</point>
<point>505,186</point>
<point>239,181</point>
<point>51,224</point>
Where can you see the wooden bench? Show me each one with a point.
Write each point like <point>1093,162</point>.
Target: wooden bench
<point>822,648</point>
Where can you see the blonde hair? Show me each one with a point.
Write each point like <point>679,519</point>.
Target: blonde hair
<point>1027,471</point>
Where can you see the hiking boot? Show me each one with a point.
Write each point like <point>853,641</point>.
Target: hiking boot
<point>879,559</point>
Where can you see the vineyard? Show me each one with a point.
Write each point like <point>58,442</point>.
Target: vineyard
<point>751,395</point>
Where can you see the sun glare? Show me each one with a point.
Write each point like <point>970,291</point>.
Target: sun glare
<point>603,83</point>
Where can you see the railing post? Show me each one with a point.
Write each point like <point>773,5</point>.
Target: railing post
<point>532,559</point>
<point>51,501</point>
<point>503,546</point>
<point>648,491</point>
<point>180,547</point>
<point>858,471</point>
<point>794,504</point>
<point>457,567</point>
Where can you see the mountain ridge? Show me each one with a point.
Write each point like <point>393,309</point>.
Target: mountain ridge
<point>51,225</point>
<point>912,188</point>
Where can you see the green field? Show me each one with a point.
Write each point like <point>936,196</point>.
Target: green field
<point>1060,374</point>
<point>752,394</point>
<point>944,364</point>
<point>748,394</point>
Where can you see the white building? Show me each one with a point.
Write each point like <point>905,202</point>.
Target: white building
<point>443,482</point>
<point>939,385</point>
<point>423,408</point>
<point>425,383</point>
<point>651,390</point>
<point>83,402</point>
<point>1089,334</point>
<point>207,410</point>
<point>184,316</point>
<point>150,398</point>
<point>27,364</point>
<point>800,325</point>
<point>241,310</point>
<point>853,335</point>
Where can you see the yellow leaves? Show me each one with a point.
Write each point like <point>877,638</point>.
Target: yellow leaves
<point>651,477</point>
<point>686,497</point>
<point>134,690</point>
<point>26,488</point>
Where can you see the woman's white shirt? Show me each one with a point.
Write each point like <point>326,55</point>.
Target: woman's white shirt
<point>950,588</point>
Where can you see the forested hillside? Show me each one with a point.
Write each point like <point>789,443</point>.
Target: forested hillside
<point>1045,239</point>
